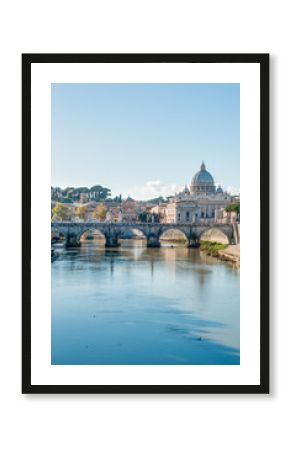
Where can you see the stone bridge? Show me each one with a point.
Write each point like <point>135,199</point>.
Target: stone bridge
<point>113,232</point>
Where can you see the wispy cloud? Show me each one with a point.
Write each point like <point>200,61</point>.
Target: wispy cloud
<point>233,190</point>
<point>157,188</point>
<point>153,189</point>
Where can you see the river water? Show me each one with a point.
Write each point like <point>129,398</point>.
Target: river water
<point>136,305</point>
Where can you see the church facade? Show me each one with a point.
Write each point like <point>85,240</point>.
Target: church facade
<point>201,202</point>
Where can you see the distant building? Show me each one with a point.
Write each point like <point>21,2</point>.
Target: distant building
<point>93,195</point>
<point>161,210</point>
<point>84,197</point>
<point>202,201</point>
<point>129,209</point>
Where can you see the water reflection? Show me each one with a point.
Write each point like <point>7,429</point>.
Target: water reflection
<point>139,305</point>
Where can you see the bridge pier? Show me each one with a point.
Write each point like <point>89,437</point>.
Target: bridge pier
<point>193,243</point>
<point>72,240</point>
<point>112,241</point>
<point>153,242</point>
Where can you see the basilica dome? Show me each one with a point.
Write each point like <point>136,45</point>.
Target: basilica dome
<point>202,182</point>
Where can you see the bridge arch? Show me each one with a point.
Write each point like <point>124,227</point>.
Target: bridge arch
<point>91,231</point>
<point>171,231</point>
<point>57,233</point>
<point>132,231</point>
<point>216,234</point>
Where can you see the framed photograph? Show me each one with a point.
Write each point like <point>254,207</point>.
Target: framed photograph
<point>141,271</point>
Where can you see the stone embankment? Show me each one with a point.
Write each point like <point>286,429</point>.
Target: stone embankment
<point>231,253</point>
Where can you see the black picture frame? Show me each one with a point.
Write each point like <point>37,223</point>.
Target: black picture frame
<point>27,61</point>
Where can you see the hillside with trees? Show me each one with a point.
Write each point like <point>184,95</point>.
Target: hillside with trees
<point>72,194</point>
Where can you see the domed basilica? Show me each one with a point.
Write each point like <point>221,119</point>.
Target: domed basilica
<point>201,202</point>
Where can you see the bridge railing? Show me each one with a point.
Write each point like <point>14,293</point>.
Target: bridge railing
<point>202,222</point>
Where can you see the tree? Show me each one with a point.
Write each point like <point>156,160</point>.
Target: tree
<point>101,193</point>
<point>82,190</point>
<point>62,211</point>
<point>148,217</point>
<point>100,212</point>
<point>67,190</point>
<point>56,193</point>
<point>156,200</point>
<point>81,212</point>
<point>143,216</point>
<point>233,207</point>
<point>78,191</point>
<point>117,199</point>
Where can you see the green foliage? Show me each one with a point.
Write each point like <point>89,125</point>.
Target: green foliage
<point>75,194</point>
<point>100,212</point>
<point>71,193</point>
<point>148,217</point>
<point>117,199</point>
<point>102,193</point>
<point>80,190</point>
<point>81,212</point>
<point>212,247</point>
<point>143,217</point>
<point>155,201</point>
<point>67,190</point>
<point>233,207</point>
<point>62,211</point>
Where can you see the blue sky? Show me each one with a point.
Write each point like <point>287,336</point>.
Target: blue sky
<point>144,140</point>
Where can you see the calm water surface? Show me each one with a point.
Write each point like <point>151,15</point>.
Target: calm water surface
<point>135,305</point>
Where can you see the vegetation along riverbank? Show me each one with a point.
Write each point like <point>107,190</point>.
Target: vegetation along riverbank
<point>222,251</point>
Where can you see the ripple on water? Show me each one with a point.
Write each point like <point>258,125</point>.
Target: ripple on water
<point>134,305</point>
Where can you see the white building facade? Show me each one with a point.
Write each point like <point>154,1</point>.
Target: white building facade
<point>199,203</point>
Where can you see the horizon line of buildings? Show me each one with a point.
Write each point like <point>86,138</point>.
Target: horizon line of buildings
<point>200,201</point>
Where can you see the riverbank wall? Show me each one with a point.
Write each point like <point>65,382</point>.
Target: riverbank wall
<point>231,253</point>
